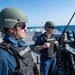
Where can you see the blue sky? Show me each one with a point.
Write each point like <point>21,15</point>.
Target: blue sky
<point>40,11</point>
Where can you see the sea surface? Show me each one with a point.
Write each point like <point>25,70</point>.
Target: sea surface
<point>59,28</point>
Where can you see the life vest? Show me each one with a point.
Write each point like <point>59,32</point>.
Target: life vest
<point>49,52</point>
<point>25,63</point>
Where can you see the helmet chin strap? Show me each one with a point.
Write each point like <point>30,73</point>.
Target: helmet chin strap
<point>15,33</point>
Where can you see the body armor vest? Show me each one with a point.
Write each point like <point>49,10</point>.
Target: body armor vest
<point>23,57</point>
<point>48,52</point>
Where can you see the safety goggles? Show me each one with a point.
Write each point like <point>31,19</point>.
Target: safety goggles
<point>22,26</point>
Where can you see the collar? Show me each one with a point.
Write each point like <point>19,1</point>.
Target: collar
<point>14,42</point>
<point>51,36</point>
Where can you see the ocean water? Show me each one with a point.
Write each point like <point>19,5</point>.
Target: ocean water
<point>59,28</point>
<point>69,28</point>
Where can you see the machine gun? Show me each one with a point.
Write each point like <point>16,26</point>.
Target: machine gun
<point>61,38</point>
<point>62,35</point>
<point>61,46</point>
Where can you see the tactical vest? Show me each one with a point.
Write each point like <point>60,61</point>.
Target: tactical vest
<point>23,57</point>
<point>48,52</point>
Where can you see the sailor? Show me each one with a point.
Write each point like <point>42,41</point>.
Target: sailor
<point>15,54</point>
<point>47,45</point>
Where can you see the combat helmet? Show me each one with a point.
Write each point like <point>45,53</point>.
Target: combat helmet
<point>49,24</point>
<point>9,17</point>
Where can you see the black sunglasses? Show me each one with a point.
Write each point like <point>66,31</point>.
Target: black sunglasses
<point>52,27</point>
<point>22,26</point>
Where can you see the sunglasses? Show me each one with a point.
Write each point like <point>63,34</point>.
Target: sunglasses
<point>52,27</point>
<point>22,26</point>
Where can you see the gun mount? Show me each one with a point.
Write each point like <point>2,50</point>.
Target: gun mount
<point>66,54</point>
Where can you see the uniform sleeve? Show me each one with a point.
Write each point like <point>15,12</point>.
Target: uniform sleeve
<point>3,67</point>
<point>39,41</point>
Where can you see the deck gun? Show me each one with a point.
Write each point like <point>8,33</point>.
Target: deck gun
<point>60,40</point>
<point>61,46</point>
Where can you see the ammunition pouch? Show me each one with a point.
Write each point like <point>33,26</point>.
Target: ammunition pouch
<point>37,69</point>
